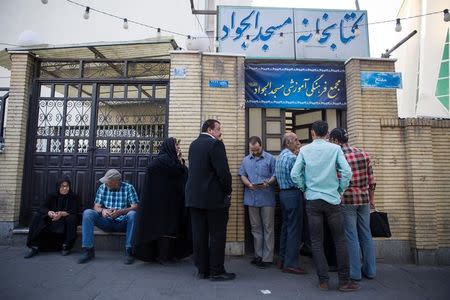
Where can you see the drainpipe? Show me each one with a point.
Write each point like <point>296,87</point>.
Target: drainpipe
<point>388,52</point>
<point>210,14</point>
<point>202,12</point>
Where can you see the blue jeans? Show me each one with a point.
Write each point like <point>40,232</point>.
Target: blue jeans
<point>92,218</point>
<point>291,229</point>
<point>359,237</point>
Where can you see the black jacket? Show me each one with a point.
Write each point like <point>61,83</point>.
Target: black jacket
<point>209,180</point>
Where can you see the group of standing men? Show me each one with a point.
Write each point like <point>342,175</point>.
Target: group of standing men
<point>331,179</point>
<point>334,182</point>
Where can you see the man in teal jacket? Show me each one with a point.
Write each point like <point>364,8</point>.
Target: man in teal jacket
<point>323,173</point>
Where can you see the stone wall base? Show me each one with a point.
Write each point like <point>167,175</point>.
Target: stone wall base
<point>393,251</point>
<point>6,232</point>
<point>432,257</point>
<point>401,252</point>
<point>235,248</point>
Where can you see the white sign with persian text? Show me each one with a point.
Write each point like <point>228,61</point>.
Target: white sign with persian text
<point>286,33</point>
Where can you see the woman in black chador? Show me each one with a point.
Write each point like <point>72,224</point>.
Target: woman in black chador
<point>163,228</point>
<point>54,225</point>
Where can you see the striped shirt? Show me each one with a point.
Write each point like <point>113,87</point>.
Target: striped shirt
<point>118,199</point>
<point>362,179</point>
<point>283,166</point>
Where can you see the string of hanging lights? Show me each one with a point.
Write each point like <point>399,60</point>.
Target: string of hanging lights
<point>317,32</point>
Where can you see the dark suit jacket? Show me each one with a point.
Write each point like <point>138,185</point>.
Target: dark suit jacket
<point>209,180</point>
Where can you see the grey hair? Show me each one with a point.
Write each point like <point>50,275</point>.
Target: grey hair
<point>287,137</point>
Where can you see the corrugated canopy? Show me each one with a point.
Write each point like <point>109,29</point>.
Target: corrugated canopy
<point>140,49</point>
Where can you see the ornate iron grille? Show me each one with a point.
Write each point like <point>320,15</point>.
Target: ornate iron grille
<point>83,123</point>
<point>103,69</point>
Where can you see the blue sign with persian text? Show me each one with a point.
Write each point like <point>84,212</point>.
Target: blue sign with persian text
<point>218,83</point>
<point>295,86</point>
<point>288,33</point>
<point>381,80</point>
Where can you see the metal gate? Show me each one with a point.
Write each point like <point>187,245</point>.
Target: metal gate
<point>81,128</point>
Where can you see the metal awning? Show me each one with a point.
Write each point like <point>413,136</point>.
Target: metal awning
<point>140,49</point>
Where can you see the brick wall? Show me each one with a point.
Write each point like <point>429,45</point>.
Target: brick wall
<point>411,156</point>
<point>411,164</point>
<point>12,160</point>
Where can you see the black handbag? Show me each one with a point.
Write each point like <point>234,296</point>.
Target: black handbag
<point>379,224</point>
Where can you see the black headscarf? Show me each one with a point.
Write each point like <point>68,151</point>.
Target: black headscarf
<point>161,210</point>
<point>64,200</point>
<point>61,181</point>
<point>168,153</point>
<point>57,202</point>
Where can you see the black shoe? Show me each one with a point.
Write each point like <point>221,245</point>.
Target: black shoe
<point>256,260</point>
<point>129,259</point>
<point>65,250</point>
<point>222,277</point>
<point>263,265</point>
<point>305,251</point>
<point>202,275</point>
<point>32,252</point>
<point>88,254</point>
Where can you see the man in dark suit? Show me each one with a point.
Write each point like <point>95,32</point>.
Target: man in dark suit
<point>208,191</point>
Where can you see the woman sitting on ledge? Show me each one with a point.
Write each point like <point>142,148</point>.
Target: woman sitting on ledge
<point>54,225</point>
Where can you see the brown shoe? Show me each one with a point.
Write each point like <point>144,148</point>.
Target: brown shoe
<point>350,286</point>
<point>324,286</point>
<point>298,271</point>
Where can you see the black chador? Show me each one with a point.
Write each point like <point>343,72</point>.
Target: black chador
<point>163,228</point>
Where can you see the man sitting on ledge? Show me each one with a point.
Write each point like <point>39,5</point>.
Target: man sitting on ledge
<point>114,210</point>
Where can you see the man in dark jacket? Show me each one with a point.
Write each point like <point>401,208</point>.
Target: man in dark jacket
<point>208,191</point>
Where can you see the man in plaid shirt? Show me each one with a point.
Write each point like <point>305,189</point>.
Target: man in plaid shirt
<point>114,210</point>
<point>356,203</point>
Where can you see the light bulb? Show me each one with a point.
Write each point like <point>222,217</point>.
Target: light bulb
<point>357,31</point>
<point>281,39</point>
<point>398,26</point>
<point>125,23</point>
<point>158,33</point>
<point>44,1</point>
<point>86,13</point>
<point>446,15</point>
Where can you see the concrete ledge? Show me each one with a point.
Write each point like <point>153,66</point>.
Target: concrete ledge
<point>97,231</point>
<point>425,257</point>
<point>6,232</point>
<point>443,256</point>
<point>433,256</point>
<point>235,248</point>
<point>387,250</point>
<point>102,240</point>
<point>393,251</point>
<point>108,241</point>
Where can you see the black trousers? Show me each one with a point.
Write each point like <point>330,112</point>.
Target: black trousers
<point>318,210</point>
<point>49,235</point>
<point>209,231</point>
